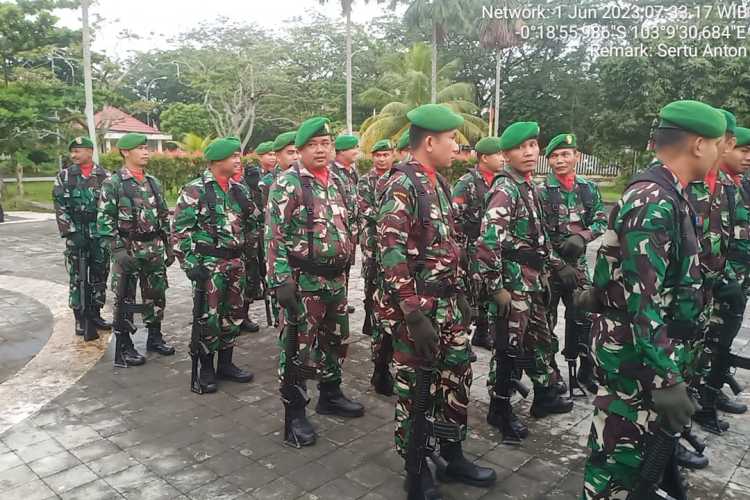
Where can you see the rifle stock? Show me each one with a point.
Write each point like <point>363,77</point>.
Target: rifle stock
<point>658,468</point>
<point>198,333</point>
<point>293,390</point>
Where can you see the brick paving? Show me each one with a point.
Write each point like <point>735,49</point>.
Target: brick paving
<point>140,432</point>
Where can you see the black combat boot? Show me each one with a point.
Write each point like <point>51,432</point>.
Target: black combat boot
<point>422,487</point>
<point>248,325</point>
<point>298,431</point>
<point>125,353</point>
<point>155,341</point>
<point>690,459</point>
<point>547,401</point>
<point>78,324</point>
<point>501,416</point>
<point>557,380</point>
<point>226,370</point>
<point>707,416</point>
<point>382,380</point>
<point>333,402</point>
<point>99,322</point>
<point>350,309</point>
<point>207,375</point>
<point>461,470</point>
<point>482,337</point>
<point>585,375</point>
<point>727,405</point>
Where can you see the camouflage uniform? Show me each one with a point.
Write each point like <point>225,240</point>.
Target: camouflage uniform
<point>254,234</point>
<point>739,245</point>
<point>429,283</point>
<point>323,324</point>
<point>76,198</point>
<point>133,215</point>
<point>512,232</point>
<point>647,277</point>
<point>198,233</point>
<point>350,179</point>
<point>266,181</point>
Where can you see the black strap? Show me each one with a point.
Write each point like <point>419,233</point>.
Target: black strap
<point>210,195</point>
<point>479,184</point>
<point>731,191</point>
<point>307,202</point>
<point>526,193</point>
<point>585,194</point>
<point>423,211</point>
<point>243,201</point>
<point>555,199</point>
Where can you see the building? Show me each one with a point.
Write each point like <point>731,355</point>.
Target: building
<point>113,123</point>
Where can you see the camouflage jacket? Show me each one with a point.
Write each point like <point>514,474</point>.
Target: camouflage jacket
<point>266,180</point>
<point>647,270</point>
<point>251,179</point>
<point>286,230</point>
<point>350,179</point>
<point>369,191</point>
<point>468,205</point>
<point>400,234</point>
<point>739,249</point>
<point>127,206</point>
<point>235,213</point>
<point>572,215</point>
<point>511,227</point>
<point>76,199</point>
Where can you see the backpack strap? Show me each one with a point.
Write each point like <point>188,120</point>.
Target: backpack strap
<point>479,184</point>
<point>731,191</point>
<point>307,201</point>
<point>423,211</point>
<point>586,195</point>
<point>210,196</point>
<point>73,176</point>
<point>526,193</point>
<point>555,199</point>
<point>161,204</point>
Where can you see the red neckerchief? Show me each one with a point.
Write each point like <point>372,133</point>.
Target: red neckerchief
<point>488,176</point>
<point>567,181</point>
<point>528,176</point>
<point>321,174</point>
<point>223,182</point>
<point>86,169</point>
<point>139,174</point>
<point>430,173</point>
<point>736,178</point>
<point>711,179</point>
<point>381,172</point>
<point>237,176</point>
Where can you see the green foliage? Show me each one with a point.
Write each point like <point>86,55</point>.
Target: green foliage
<point>172,171</point>
<point>180,119</point>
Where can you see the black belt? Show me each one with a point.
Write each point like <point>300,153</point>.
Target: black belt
<point>84,216</point>
<point>529,258</point>
<point>439,290</point>
<point>149,236</point>
<point>219,253</point>
<point>327,271</point>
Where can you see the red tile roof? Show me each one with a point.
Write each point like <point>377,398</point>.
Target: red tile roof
<point>116,120</point>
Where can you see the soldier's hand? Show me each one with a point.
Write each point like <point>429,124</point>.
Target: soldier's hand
<point>198,273</point>
<point>587,301</point>
<point>286,294</point>
<point>426,340</point>
<point>465,308</point>
<point>674,406</point>
<point>502,299</point>
<point>568,277</point>
<point>123,259</point>
<point>731,294</point>
<point>572,248</point>
<point>76,238</point>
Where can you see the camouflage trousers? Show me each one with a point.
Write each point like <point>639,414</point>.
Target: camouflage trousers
<point>98,261</point>
<point>151,273</point>
<point>528,331</point>
<point>323,328</point>
<point>224,300</point>
<point>453,375</point>
<point>381,342</point>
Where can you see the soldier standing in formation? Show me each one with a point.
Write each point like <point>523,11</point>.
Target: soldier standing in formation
<point>76,196</point>
<point>574,216</point>
<point>402,148</point>
<point>423,299</point>
<point>211,219</point>
<point>646,288</point>
<point>308,249</point>
<point>370,189</point>
<point>133,220</point>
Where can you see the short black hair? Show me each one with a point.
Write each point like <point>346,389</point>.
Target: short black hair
<point>417,135</point>
<point>666,137</point>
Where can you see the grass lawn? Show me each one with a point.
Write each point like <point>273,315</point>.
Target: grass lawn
<point>611,194</point>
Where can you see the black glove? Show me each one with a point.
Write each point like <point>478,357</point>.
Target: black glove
<point>123,259</point>
<point>572,248</point>
<point>76,238</point>
<point>465,308</point>
<point>502,299</point>
<point>423,334</point>
<point>286,294</point>
<point>169,253</point>
<point>198,273</point>
<point>567,277</point>
<point>674,406</point>
<point>587,301</point>
<point>731,294</point>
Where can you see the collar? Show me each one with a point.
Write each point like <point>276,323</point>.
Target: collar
<point>517,176</point>
<point>487,175</point>
<point>730,176</point>
<point>126,174</point>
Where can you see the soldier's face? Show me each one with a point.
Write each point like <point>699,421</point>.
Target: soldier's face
<point>315,154</point>
<point>349,156</point>
<point>137,157</point>
<point>441,148</point>
<point>287,156</point>
<point>268,160</point>
<point>382,160</point>
<point>81,156</point>
<point>563,161</point>
<point>706,153</point>
<point>738,160</point>
<point>493,162</point>
<point>523,158</point>
<point>228,166</point>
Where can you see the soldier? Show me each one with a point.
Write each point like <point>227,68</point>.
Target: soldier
<point>370,189</point>
<point>308,248</point>
<point>468,205</point>
<point>735,164</point>
<point>514,258</point>
<point>347,152</point>
<point>402,148</point>
<point>424,302</point>
<point>285,154</point>
<point>133,219</point>
<point>267,162</point>
<point>574,216</point>
<point>76,194</point>
<point>211,219</point>
<point>646,288</point>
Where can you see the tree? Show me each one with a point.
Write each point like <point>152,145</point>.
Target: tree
<point>193,143</point>
<point>180,119</point>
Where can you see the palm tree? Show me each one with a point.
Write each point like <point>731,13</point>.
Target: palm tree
<point>405,84</point>
<point>193,143</point>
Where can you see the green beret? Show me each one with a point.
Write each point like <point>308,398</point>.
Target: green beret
<point>403,141</point>
<point>344,142</point>
<point>131,141</point>
<point>516,133</point>
<point>743,136</point>
<point>283,140</point>
<point>561,141</point>
<point>222,148</point>
<point>731,120</point>
<point>434,117</point>
<point>693,116</point>
<point>488,146</point>
<point>264,147</point>
<point>384,145</point>
<point>81,142</point>
<point>312,127</point>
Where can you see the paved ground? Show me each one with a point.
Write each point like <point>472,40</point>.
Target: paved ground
<point>74,427</point>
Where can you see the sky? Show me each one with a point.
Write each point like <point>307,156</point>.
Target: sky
<point>155,21</point>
